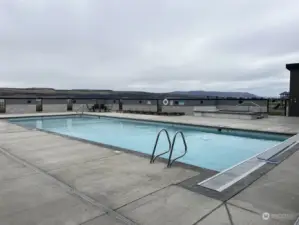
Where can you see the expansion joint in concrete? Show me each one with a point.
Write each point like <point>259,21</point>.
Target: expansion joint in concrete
<point>68,188</point>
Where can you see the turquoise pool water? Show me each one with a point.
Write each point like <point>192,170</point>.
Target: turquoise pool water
<point>207,147</point>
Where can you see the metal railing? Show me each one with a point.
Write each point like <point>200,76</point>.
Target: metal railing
<point>153,158</point>
<point>82,109</point>
<point>249,105</point>
<point>170,149</point>
<point>170,162</point>
<point>271,106</point>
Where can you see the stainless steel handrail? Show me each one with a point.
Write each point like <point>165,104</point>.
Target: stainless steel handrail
<point>153,158</point>
<point>170,162</point>
<point>252,104</point>
<point>81,107</point>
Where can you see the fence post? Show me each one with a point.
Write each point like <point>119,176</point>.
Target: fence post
<point>120,105</point>
<point>69,106</point>
<point>39,105</point>
<point>2,106</point>
<point>159,108</point>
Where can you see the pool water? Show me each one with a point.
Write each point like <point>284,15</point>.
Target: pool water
<point>207,147</point>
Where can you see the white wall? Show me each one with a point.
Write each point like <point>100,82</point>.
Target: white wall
<point>188,110</point>
<point>141,107</point>
<point>21,108</point>
<point>113,107</point>
<point>54,108</point>
<point>205,108</point>
<point>226,116</point>
<point>243,108</point>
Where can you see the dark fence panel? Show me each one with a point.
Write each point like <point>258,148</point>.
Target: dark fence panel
<point>273,106</point>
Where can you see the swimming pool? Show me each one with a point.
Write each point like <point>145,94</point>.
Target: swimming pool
<point>207,147</point>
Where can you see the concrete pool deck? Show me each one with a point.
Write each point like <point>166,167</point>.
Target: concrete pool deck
<point>49,179</point>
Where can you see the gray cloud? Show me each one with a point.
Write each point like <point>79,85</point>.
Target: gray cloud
<point>149,45</point>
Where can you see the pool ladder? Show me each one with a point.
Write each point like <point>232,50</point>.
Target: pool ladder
<point>171,147</point>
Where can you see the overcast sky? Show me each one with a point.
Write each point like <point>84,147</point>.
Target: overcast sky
<point>150,45</point>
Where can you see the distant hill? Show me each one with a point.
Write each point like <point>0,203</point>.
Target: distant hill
<point>216,94</point>
<point>86,93</point>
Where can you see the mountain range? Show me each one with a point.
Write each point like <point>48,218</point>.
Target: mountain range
<point>87,93</point>
<point>216,94</point>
